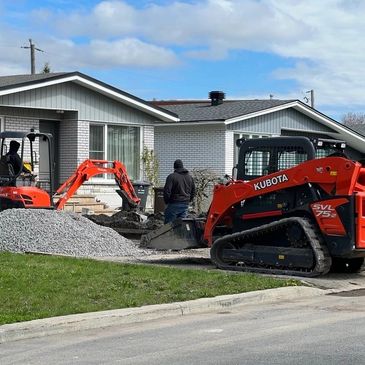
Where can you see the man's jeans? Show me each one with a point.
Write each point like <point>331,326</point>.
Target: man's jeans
<point>175,210</point>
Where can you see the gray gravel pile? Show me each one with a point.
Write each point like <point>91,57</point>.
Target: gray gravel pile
<point>58,232</point>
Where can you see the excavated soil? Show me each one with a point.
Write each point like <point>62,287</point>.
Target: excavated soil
<point>129,220</point>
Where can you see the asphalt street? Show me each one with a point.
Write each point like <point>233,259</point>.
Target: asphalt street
<point>321,330</point>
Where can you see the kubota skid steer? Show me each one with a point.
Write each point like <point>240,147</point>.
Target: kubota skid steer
<point>288,212</point>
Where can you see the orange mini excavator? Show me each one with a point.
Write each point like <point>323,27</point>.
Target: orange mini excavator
<point>295,207</point>
<point>20,187</point>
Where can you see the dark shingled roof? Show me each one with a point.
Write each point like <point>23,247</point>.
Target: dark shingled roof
<point>15,80</point>
<point>204,111</point>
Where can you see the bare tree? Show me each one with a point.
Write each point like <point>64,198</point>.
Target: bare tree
<point>204,180</point>
<point>350,119</point>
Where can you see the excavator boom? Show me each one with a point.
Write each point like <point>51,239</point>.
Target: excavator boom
<point>90,168</point>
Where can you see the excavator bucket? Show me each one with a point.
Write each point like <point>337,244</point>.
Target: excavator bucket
<point>178,235</point>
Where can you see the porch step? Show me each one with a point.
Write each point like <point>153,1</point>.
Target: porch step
<point>80,203</point>
<point>79,199</point>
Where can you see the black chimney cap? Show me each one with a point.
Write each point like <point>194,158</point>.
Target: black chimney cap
<point>217,97</point>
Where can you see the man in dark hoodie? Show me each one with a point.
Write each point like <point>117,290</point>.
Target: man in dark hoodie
<point>179,191</point>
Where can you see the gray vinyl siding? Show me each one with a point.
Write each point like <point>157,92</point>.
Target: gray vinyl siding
<point>274,123</point>
<point>28,113</point>
<point>90,104</point>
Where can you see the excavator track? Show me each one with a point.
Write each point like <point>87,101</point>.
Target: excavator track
<point>251,251</point>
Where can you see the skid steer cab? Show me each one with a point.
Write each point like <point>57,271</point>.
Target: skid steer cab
<point>20,185</point>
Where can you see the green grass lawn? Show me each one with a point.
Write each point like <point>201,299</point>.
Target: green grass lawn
<point>34,286</point>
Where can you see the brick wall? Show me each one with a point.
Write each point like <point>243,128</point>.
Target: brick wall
<point>229,152</point>
<point>23,125</point>
<point>149,137</point>
<point>83,141</point>
<point>68,148</point>
<point>201,147</point>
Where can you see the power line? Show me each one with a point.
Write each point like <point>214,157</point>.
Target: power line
<point>32,55</point>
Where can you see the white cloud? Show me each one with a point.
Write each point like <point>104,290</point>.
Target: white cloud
<point>236,24</point>
<point>128,52</point>
<point>324,39</point>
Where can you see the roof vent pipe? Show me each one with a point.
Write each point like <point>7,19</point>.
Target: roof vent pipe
<point>216,97</point>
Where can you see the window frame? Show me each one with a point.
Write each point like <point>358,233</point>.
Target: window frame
<point>104,178</point>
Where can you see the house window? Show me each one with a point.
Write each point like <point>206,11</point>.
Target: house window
<point>112,142</point>
<point>124,145</point>
<point>96,142</point>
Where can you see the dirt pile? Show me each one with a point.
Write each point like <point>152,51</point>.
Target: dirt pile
<point>129,220</point>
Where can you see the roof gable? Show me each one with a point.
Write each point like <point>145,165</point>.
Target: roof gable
<point>20,83</point>
<point>195,111</point>
<point>232,111</point>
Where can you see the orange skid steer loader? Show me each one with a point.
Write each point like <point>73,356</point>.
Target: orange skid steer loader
<point>289,211</point>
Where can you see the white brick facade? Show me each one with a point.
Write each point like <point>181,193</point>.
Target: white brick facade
<point>149,137</point>
<point>20,124</point>
<point>68,148</point>
<point>23,125</point>
<point>82,141</point>
<point>229,153</point>
<point>200,147</point>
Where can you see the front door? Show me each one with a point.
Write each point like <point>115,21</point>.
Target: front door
<point>52,127</point>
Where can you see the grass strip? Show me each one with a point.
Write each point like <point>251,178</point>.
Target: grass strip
<point>35,286</point>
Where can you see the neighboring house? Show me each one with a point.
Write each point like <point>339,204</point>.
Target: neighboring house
<point>205,136</point>
<point>88,119</point>
<point>359,128</point>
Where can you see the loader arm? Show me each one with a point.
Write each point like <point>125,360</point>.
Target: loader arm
<point>335,175</point>
<point>90,168</point>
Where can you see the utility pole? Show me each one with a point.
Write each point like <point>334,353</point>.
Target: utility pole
<point>32,55</point>
<point>311,97</point>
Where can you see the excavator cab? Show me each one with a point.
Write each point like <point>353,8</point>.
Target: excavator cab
<point>28,182</point>
<point>20,183</point>
<point>23,169</point>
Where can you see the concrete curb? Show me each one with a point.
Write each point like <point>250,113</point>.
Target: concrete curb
<point>77,322</point>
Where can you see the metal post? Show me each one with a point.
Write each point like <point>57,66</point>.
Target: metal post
<point>312,98</point>
<point>32,57</point>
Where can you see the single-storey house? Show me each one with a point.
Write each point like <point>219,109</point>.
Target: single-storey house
<point>91,119</point>
<point>88,119</point>
<point>206,133</point>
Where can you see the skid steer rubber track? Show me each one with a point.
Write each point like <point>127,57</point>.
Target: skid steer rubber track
<point>306,257</point>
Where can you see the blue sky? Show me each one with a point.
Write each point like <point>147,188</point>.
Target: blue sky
<point>184,49</point>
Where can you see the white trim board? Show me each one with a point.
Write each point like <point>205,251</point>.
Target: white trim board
<point>96,87</point>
